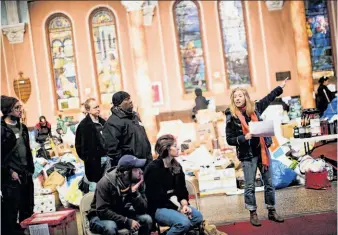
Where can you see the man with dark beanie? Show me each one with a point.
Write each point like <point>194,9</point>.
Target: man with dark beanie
<point>124,132</point>
<point>16,168</point>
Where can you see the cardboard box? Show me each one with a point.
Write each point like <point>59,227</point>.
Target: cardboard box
<point>206,115</point>
<point>62,149</point>
<point>217,181</point>
<point>205,132</point>
<point>287,129</point>
<point>54,180</point>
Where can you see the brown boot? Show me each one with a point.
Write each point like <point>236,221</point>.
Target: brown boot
<point>274,216</point>
<point>254,219</point>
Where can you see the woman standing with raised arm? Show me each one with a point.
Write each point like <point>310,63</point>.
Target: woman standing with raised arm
<point>252,151</point>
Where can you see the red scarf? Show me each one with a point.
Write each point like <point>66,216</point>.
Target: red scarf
<point>245,128</point>
<point>39,125</point>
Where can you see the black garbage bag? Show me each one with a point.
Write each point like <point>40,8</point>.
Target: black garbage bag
<point>65,169</point>
<point>43,153</point>
<point>83,186</point>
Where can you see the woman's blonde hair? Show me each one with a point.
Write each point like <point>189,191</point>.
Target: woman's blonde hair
<point>249,104</point>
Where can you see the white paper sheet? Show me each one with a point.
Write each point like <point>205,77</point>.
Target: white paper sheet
<point>39,229</point>
<point>262,128</point>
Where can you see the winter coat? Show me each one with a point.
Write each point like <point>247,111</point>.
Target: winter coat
<point>42,132</point>
<point>157,187</point>
<point>322,101</point>
<point>124,134</point>
<point>234,134</point>
<point>110,203</point>
<point>90,148</point>
<point>8,142</point>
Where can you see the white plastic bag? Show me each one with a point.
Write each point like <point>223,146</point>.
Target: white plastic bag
<point>329,170</point>
<point>307,163</point>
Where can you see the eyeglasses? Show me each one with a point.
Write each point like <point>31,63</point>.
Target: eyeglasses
<point>17,108</point>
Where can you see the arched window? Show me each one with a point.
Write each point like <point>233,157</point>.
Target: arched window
<point>319,35</point>
<point>189,35</point>
<point>235,48</point>
<point>62,57</point>
<point>107,58</point>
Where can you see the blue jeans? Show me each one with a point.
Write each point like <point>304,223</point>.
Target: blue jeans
<point>250,169</point>
<point>92,185</point>
<point>109,227</point>
<point>178,222</point>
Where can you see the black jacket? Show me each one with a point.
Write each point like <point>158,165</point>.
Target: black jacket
<point>124,134</point>
<point>110,204</point>
<point>89,147</point>
<point>42,132</point>
<point>8,141</point>
<point>234,132</point>
<point>322,101</point>
<point>157,187</point>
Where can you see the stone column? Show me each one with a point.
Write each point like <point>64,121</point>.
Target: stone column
<point>304,68</point>
<point>14,30</point>
<point>140,60</point>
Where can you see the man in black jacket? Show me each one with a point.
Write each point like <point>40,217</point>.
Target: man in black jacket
<point>119,201</point>
<point>124,132</point>
<point>16,168</point>
<point>89,143</point>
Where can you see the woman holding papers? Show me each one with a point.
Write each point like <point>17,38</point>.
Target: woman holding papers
<point>252,151</point>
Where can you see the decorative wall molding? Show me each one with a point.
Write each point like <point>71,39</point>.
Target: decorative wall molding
<point>15,33</point>
<point>274,5</point>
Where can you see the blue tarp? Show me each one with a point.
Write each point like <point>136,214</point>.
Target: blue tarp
<point>329,113</point>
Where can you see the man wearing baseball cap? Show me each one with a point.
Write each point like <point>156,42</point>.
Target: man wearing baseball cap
<point>124,132</point>
<point>120,201</point>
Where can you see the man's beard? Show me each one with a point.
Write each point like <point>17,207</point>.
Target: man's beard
<point>127,110</point>
<point>134,179</point>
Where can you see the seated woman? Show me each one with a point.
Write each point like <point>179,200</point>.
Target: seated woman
<point>168,198</point>
<point>43,130</point>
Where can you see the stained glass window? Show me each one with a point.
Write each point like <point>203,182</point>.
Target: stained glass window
<point>189,34</point>
<point>235,47</point>
<point>104,38</point>
<point>318,31</point>
<point>63,61</point>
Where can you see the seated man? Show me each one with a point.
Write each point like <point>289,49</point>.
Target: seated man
<point>167,192</point>
<point>119,201</point>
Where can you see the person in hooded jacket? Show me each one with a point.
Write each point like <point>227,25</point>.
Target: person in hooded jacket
<point>324,95</point>
<point>17,168</point>
<point>124,132</point>
<point>43,130</point>
<point>120,201</point>
<point>252,151</point>
<point>200,101</point>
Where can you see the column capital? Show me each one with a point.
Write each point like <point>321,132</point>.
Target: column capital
<point>132,5</point>
<point>15,32</point>
<point>274,5</point>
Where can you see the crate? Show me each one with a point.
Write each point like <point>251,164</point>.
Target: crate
<point>59,223</point>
